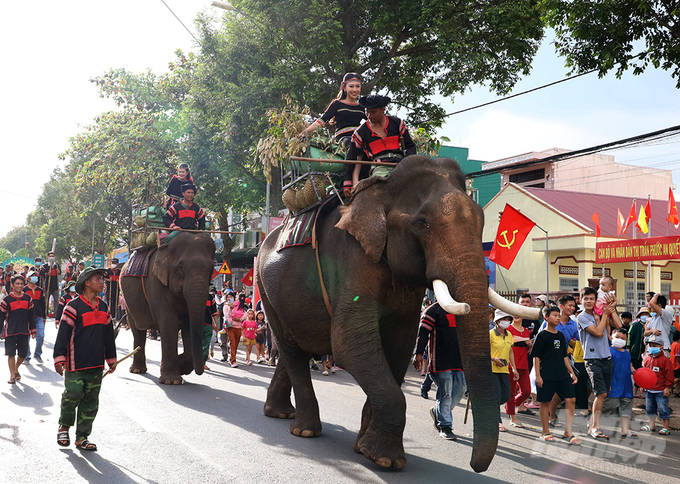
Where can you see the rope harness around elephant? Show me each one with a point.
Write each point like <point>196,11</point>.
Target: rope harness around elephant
<point>315,246</point>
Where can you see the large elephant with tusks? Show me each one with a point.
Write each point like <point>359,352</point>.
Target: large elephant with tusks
<point>413,230</point>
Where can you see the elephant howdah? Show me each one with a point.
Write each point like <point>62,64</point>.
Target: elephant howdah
<point>171,298</point>
<point>420,220</point>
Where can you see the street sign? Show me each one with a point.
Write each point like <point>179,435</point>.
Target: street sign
<point>99,260</point>
<point>224,269</point>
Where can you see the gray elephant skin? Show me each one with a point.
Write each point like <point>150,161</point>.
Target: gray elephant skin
<point>377,256</point>
<point>172,298</point>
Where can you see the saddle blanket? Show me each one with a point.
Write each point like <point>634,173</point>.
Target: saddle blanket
<point>138,264</point>
<point>297,230</point>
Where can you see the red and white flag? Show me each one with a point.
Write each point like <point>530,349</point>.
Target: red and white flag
<point>620,221</point>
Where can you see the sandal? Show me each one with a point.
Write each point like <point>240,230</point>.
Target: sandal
<point>12,381</point>
<point>518,425</point>
<point>572,440</point>
<point>63,437</point>
<point>17,376</point>
<point>554,423</point>
<point>526,412</point>
<point>647,428</point>
<point>501,428</point>
<point>664,432</point>
<point>547,438</point>
<point>598,434</point>
<point>86,445</point>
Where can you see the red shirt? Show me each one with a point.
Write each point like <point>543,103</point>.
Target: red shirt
<point>521,353</point>
<point>675,349</point>
<point>663,369</point>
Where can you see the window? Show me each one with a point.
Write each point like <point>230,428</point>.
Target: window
<point>666,290</point>
<point>528,176</point>
<point>631,304</point>
<point>568,284</point>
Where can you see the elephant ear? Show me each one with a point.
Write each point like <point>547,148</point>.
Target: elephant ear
<point>160,266</point>
<point>365,217</point>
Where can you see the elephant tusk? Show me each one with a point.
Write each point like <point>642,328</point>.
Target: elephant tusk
<point>512,308</point>
<point>441,290</point>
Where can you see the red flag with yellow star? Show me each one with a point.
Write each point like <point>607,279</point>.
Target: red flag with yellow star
<point>513,230</point>
<point>248,279</point>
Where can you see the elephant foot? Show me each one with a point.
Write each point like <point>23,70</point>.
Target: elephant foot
<point>279,412</point>
<point>137,369</point>
<point>386,451</point>
<point>302,427</point>
<point>170,380</point>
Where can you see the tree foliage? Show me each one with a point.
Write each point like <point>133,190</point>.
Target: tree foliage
<point>617,34</point>
<point>411,50</point>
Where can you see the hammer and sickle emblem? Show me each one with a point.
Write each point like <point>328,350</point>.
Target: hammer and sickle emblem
<point>507,244</point>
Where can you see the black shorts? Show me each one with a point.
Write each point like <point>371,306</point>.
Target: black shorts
<point>600,374</point>
<point>676,373</point>
<point>260,339</point>
<point>16,344</point>
<point>564,389</point>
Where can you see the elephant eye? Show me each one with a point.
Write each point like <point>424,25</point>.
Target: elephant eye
<point>422,222</point>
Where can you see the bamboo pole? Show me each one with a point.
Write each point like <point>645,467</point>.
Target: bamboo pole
<point>158,229</point>
<point>342,162</point>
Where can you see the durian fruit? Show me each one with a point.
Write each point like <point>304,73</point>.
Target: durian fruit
<point>289,199</point>
<point>138,240</point>
<point>321,185</point>
<point>301,199</point>
<point>139,221</point>
<point>151,239</point>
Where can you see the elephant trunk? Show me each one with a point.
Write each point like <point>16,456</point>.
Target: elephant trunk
<point>467,281</point>
<point>196,298</point>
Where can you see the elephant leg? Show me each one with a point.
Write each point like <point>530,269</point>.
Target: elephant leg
<point>139,359</point>
<point>365,421</point>
<point>307,422</point>
<point>186,364</point>
<point>170,362</point>
<point>381,440</point>
<point>278,403</point>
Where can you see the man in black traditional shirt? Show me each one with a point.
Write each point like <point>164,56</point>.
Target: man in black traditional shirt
<point>381,138</point>
<point>438,329</point>
<point>17,320</point>
<point>84,341</point>
<point>185,214</point>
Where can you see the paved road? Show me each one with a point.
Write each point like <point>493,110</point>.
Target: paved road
<point>212,430</point>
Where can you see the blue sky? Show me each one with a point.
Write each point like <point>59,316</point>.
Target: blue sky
<point>53,49</point>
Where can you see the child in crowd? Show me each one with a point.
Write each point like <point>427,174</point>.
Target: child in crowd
<point>606,289</point>
<point>554,375</point>
<point>328,364</point>
<point>620,395</point>
<point>675,360</point>
<point>657,396</point>
<point>249,329</point>
<point>260,336</point>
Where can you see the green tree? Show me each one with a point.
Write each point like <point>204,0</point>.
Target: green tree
<point>16,239</point>
<point>617,34</point>
<point>412,50</point>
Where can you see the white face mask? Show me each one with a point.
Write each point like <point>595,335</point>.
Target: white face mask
<point>618,343</point>
<point>505,324</point>
<point>113,266</point>
<point>51,259</point>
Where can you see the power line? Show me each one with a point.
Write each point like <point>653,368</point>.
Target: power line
<point>178,19</point>
<point>627,142</point>
<point>505,98</point>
